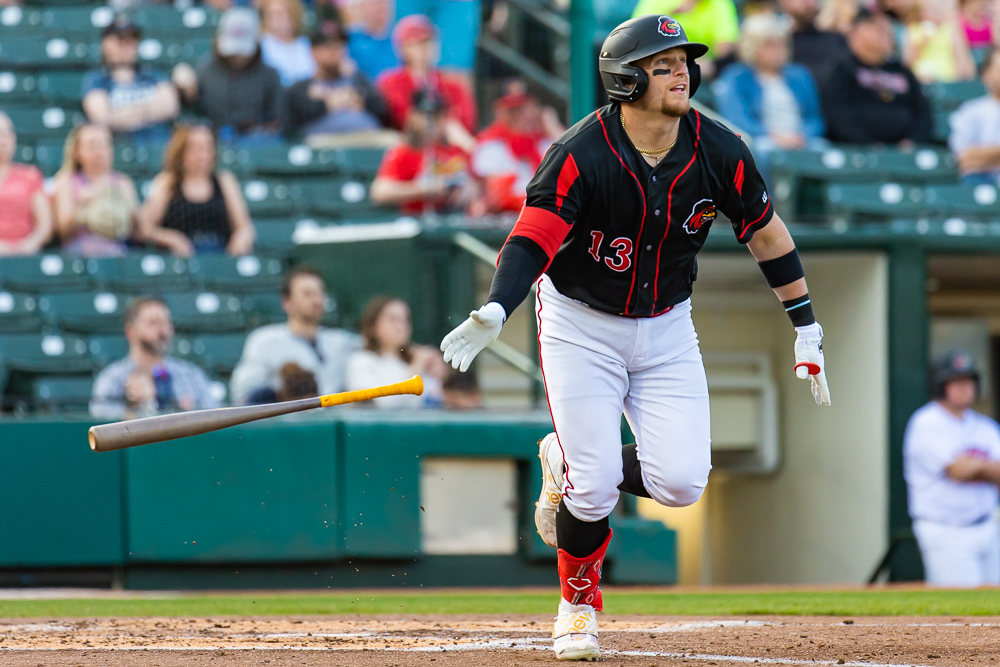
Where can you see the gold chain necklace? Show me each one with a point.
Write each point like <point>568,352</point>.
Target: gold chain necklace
<point>655,153</point>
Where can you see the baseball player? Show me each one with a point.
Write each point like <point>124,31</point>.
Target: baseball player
<point>951,461</point>
<point>613,219</point>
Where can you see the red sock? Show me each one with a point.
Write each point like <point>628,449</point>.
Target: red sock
<point>580,578</point>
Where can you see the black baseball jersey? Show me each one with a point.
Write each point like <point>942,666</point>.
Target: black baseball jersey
<point>621,236</point>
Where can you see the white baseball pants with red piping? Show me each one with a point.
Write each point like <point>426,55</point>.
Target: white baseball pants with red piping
<point>597,366</point>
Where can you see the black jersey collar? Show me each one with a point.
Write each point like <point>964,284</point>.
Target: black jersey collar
<point>675,159</point>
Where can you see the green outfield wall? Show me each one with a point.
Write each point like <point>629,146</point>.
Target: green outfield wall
<point>298,501</point>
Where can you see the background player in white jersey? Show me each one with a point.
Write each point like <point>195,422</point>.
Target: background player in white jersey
<point>613,220</point>
<point>951,460</point>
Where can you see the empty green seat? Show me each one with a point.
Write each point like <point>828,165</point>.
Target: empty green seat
<point>240,274</point>
<point>49,353</point>
<point>50,122</point>
<point>948,96</point>
<point>105,349</point>
<point>19,313</point>
<point>880,200</point>
<point>62,394</point>
<point>173,49</point>
<point>359,162</point>
<point>274,236</point>
<point>60,87</point>
<point>165,20</point>
<point>339,198</point>
<point>141,272</point>
<point>971,200</point>
<point>138,160</point>
<point>206,311</point>
<point>44,273</point>
<point>47,155</point>
<point>92,312</point>
<point>41,52</point>
<point>16,21</point>
<point>17,87</point>
<point>268,198</point>
<point>216,353</point>
<point>295,160</point>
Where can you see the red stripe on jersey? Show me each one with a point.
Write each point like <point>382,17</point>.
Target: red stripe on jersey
<point>567,176</point>
<point>670,196</point>
<point>750,226</point>
<point>638,239</point>
<point>738,181</point>
<point>543,227</point>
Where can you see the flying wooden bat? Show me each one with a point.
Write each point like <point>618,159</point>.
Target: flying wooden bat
<point>135,432</point>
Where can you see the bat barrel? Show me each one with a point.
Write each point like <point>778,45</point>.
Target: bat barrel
<point>135,432</point>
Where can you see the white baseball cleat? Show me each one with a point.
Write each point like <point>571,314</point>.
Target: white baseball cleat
<point>552,483</point>
<point>575,633</point>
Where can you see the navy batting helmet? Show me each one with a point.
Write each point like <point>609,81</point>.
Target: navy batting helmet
<point>639,38</point>
<point>954,365</point>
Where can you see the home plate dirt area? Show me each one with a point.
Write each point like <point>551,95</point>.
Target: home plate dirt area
<point>490,640</point>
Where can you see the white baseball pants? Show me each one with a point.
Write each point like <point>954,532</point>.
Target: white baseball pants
<point>598,365</point>
<point>959,556</point>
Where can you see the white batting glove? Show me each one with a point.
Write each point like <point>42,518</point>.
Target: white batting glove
<point>473,335</point>
<point>809,361</point>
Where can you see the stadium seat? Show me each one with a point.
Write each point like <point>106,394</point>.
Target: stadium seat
<point>51,123</point>
<point>274,235</point>
<point>62,394</point>
<point>265,308</point>
<point>60,87</point>
<point>16,20</point>
<point>138,160</point>
<point>278,160</point>
<point>92,312</point>
<point>885,200</point>
<point>47,155</point>
<point>161,20</point>
<point>19,313</point>
<point>48,353</point>
<point>19,87</point>
<point>77,22</point>
<point>239,274</point>
<point>105,349</point>
<point>217,354</point>
<point>41,52</point>
<point>198,312</point>
<point>359,162</point>
<point>140,272</point>
<point>268,198</point>
<point>342,198</point>
<point>44,273</point>
<point>948,96</point>
<point>173,49</point>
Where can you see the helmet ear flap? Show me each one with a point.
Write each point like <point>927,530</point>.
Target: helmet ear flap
<point>694,75</point>
<point>641,83</point>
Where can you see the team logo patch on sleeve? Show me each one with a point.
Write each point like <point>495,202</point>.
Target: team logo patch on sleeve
<point>702,214</point>
<point>669,27</point>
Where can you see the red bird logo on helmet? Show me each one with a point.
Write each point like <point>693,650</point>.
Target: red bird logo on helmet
<point>702,214</point>
<point>669,27</point>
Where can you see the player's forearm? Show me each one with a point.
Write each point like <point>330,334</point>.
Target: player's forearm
<point>521,262</point>
<point>779,261</point>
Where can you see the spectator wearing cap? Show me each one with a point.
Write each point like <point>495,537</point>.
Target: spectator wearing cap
<point>234,88</point>
<point>415,40</point>
<point>871,98</point>
<point>975,129</point>
<point>369,35</point>
<point>711,22</point>
<point>424,173</point>
<point>149,380</point>
<point>136,102</point>
<point>774,101</point>
<point>282,45</point>
<point>25,217</point>
<point>510,149</point>
<point>812,47</point>
<point>338,99</point>
<point>458,22</point>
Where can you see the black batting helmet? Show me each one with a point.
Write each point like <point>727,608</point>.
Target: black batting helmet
<point>952,366</point>
<point>639,38</point>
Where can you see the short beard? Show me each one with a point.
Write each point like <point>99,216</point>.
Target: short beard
<point>674,108</point>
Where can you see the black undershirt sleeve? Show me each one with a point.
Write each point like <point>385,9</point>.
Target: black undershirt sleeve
<point>521,263</point>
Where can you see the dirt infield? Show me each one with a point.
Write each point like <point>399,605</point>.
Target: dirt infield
<point>437,641</point>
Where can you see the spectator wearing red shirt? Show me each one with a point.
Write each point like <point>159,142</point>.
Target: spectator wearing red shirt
<point>415,41</point>
<point>25,216</point>
<point>509,151</point>
<point>408,180</point>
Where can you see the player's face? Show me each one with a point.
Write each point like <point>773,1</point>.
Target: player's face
<point>960,393</point>
<point>669,82</point>
<point>306,299</point>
